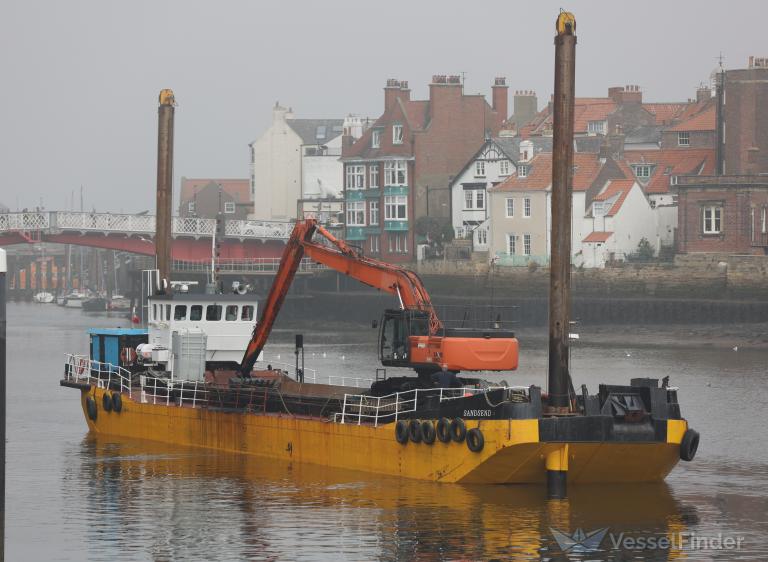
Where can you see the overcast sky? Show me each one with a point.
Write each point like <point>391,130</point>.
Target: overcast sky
<point>80,78</point>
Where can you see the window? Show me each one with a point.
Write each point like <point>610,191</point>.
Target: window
<point>712,219</point>
<point>469,199</point>
<point>180,312</point>
<point>355,176</point>
<point>373,176</point>
<point>191,207</point>
<point>672,180</point>
<point>231,313</point>
<point>376,138</point>
<point>527,207</point>
<point>474,199</point>
<point>356,213</point>
<point>504,168</point>
<point>510,207</point>
<point>401,243</point>
<point>598,209</point>
<point>511,244</point>
<point>482,236</point>
<point>396,207</point>
<point>168,312</point>
<point>196,312</point>
<point>374,213</point>
<point>596,127</point>
<point>684,138</point>
<point>480,199</point>
<point>397,134</point>
<point>763,226</point>
<point>374,244</point>
<point>395,173</point>
<point>522,171</point>
<point>213,313</point>
<point>642,171</point>
<point>527,244</point>
<point>480,169</point>
<point>229,207</point>
<point>247,312</point>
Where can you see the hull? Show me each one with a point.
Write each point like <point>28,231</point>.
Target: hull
<point>513,452</point>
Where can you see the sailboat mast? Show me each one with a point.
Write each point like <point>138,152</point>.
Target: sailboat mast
<point>562,175</point>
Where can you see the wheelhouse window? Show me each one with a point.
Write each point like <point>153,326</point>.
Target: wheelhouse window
<point>395,173</point>
<point>213,313</point>
<point>397,134</point>
<point>356,213</point>
<point>355,176</point>
<point>231,313</point>
<point>180,312</point>
<point>712,219</point>
<point>510,207</point>
<point>396,207</point>
<point>196,312</point>
<point>684,138</point>
<point>247,312</point>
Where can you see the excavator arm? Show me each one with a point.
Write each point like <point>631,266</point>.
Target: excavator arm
<point>336,255</point>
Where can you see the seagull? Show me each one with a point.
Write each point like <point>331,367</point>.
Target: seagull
<point>323,353</point>
<point>628,354</point>
<point>735,347</point>
<point>343,357</point>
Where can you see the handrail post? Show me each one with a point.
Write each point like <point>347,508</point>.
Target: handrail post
<point>344,408</point>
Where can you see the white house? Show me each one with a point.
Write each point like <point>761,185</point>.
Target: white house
<point>619,217</point>
<point>493,163</point>
<point>294,160</point>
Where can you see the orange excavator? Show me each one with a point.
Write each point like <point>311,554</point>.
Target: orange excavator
<point>411,336</point>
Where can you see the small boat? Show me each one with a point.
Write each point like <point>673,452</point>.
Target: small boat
<point>74,300</point>
<point>43,297</point>
<point>94,304</point>
<point>119,303</point>
<point>61,300</point>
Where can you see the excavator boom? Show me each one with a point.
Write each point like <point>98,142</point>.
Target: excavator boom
<point>422,347</point>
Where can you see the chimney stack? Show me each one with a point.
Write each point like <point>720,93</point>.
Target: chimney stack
<point>500,99</point>
<point>626,94</point>
<point>395,89</point>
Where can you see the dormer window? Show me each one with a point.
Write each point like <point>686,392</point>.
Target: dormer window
<point>596,127</point>
<point>642,171</point>
<point>598,209</point>
<point>522,171</point>
<point>397,134</point>
<point>684,138</point>
<point>376,138</point>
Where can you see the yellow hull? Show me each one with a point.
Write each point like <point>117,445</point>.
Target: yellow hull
<point>512,454</point>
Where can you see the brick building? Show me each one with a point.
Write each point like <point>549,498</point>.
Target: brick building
<point>401,167</point>
<point>745,114</point>
<point>723,214</point>
<point>200,198</point>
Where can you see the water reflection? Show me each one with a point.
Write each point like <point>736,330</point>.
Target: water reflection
<point>145,499</point>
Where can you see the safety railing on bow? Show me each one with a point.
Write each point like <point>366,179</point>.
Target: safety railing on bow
<point>362,408</point>
<point>158,390</point>
<point>312,376</point>
<point>81,368</point>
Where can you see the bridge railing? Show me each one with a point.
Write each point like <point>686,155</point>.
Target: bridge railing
<point>140,224</point>
<point>253,265</point>
<point>10,222</point>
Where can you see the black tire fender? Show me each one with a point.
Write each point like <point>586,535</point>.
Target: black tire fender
<point>458,430</point>
<point>106,402</point>
<point>117,402</point>
<point>428,432</point>
<point>90,407</point>
<point>689,445</point>
<point>401,432</point>
<point>414,431</point>
<point>475,440</point>
<point>443,430</point>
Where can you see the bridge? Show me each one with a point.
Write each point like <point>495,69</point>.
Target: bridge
<point>243,239</point>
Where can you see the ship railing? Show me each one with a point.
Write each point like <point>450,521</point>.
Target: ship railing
<point>164,391</point>
<point>81,368</point>
<point>362,408</point>
<point>312,376</point>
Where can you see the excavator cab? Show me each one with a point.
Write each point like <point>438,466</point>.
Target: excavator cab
<point>396,329</point>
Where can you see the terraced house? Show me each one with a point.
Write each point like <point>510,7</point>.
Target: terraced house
<point>401,167</point>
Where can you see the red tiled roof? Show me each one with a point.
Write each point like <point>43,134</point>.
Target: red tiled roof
<point>615,187</point>
<point>239,190</point>
<point>539,176</point>
<point>702,121</point>
<point>665,113</point>
<point>598,237</point>
<point>585,110</point>
<point>670,162</point>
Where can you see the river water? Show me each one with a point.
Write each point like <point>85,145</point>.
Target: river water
<point>71,496</point>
